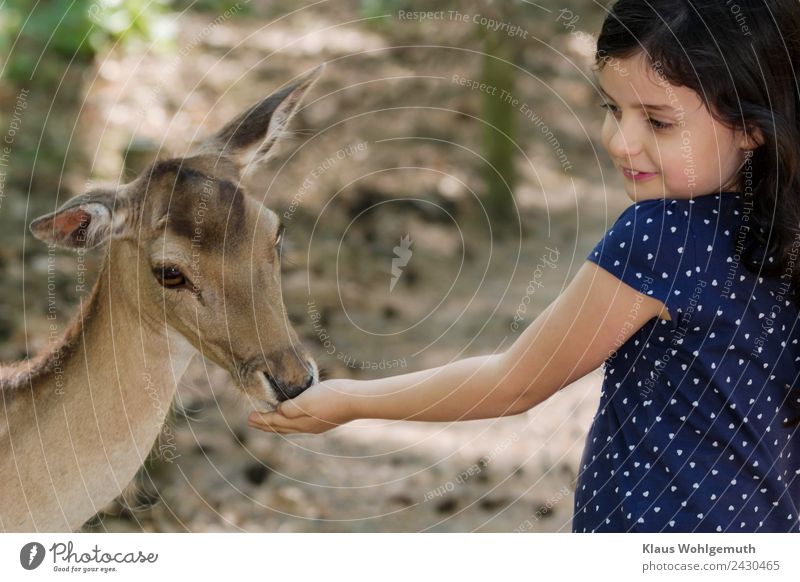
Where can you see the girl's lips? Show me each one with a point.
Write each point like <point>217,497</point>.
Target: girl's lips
<point>637,176</point>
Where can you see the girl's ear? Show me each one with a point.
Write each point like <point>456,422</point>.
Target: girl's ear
<point>751,138</point>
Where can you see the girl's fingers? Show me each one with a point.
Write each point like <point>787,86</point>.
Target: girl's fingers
<point>273,422</point>
<point>279,430</point>
<point>291,409</point>
<point>269,419</point>
<point>274,428</point>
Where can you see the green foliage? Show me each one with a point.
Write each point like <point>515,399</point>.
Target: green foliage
<point>220,6</point>
<point>73,30</point>
<point>374,8</point>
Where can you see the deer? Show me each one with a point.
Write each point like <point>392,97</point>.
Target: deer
<point>190,265</point>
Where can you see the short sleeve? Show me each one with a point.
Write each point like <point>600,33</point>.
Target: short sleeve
<point>651,248</point>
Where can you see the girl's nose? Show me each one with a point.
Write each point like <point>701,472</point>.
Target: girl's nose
<point>625,142</point>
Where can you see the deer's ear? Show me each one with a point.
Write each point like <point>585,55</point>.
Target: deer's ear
<point>85,221</point>
<point>251,137</point>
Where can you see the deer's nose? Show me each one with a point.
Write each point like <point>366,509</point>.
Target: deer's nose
<point>290,372</point>
<point>289,391</point>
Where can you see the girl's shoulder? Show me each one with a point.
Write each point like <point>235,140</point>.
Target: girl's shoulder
<point>670,226</point>
<point>678,224</point>
<point>660,210</point>
<point>653,229</point>
<point>660,246</point>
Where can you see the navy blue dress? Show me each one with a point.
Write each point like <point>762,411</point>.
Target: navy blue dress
<point>689,434</point>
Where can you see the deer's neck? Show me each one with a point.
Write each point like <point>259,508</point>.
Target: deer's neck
<point>78,430</point>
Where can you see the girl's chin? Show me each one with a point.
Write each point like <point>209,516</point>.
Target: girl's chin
<point>640,194</point>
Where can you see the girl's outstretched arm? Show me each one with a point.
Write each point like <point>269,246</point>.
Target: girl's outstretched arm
<point>591,318</point>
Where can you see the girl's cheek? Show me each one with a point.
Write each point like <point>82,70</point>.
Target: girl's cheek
<point>672,168</point>
<point>669,151</point>
<point>681,174</point>
<point>610,127</point>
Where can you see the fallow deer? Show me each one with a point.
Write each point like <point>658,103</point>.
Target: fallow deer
<point>191,264</point>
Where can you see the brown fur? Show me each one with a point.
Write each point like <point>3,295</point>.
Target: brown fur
<point>64,454</point>
<point>27,373</point>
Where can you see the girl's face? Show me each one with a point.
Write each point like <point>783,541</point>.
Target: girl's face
<point>666,134</point>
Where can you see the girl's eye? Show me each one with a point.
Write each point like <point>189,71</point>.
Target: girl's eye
<point>659,124</point>
<point>170,277</point>
<point>654,123</point>
<point>610,108</point>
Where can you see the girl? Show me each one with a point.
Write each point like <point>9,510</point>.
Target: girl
<point>695,430</point>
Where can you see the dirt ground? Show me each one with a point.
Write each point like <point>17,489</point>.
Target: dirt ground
<point>386,146</point>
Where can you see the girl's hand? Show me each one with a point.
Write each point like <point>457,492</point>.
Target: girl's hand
<point>320,408</point>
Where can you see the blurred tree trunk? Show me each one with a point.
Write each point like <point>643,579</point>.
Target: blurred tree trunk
<point>500,54</point>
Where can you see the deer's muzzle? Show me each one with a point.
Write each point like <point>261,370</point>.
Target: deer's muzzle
<point>287,392</point>
<point>290,372</point>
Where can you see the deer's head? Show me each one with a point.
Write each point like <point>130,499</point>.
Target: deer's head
<point>200,257</point>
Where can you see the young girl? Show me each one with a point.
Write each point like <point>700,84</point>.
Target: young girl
<point>695,431</point>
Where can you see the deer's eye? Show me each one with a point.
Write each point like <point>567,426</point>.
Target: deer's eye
<point>170,277</point>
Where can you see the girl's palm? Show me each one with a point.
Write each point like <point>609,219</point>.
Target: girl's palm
<point>318,409</point>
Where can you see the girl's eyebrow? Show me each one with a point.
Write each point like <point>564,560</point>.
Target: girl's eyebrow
<point>667,108</point>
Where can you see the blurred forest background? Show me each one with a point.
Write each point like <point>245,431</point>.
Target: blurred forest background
<point>471,133</point>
